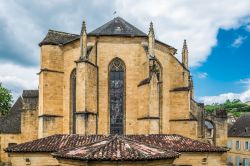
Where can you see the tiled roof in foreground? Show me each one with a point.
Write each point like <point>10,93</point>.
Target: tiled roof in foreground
<point>55,143</point>
<point>164,141</point>
<point>116,148</point>
<point>177,143</point>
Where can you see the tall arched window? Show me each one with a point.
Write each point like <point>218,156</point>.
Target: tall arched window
<point>73,102</point>
<point>116,96</point>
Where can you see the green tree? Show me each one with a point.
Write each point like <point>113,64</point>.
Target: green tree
<point>5,100</point>
<point>235,107</point>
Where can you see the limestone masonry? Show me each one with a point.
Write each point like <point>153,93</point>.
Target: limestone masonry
<point>118,81</point>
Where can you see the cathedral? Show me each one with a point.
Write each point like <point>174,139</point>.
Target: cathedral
<point>113,96</point>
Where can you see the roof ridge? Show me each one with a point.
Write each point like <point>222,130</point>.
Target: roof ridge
<point>62,32</point>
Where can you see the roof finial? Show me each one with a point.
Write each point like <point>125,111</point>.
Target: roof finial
<point>83,40</point>
<point>151,28</point>
<point>151,40</point>
<point>83,30</point>
<point>114,13</point>
<point>185,54</point>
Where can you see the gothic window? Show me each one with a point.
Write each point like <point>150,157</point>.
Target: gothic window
<point>116,96</point>
<point>73,101</point>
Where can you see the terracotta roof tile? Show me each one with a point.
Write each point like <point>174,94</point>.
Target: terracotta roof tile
<point>177,143</point>
<point>116,148</point>
<point>54,143</point>
<point>167,142</point>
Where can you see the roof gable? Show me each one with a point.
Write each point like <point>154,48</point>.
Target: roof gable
<point>118,26</point>
<point>116,148</point>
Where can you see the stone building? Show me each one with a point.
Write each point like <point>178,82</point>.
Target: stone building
<point>21,124</point>
<point>117,80</point>
<point>239,142</point>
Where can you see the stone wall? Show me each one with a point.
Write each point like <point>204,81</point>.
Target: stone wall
<point>32,159</point>
<point>29,127</point>
<point>200,159</point>
<point>50,91</point>
<point>220,129</point>
<point>186,158</point>
<point>130,50</point>
<point>167,162</point>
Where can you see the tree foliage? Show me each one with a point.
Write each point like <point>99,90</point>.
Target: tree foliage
<point>5,100</point>
<point>235,107</point>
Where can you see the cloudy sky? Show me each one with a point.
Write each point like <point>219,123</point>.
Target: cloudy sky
<point>217,32</point>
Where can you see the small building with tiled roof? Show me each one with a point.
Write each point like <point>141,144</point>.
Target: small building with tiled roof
<point>121,148</point>
<point>116,150</point>
<point>239,141</point>
<point>114,80</point>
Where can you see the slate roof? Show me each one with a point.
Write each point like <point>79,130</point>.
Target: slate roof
<point>241,128</point>
<point>164,141</point>
<point>11,123</point>
<point>116,148</point>
<point>56,37</point>
<point>117,26</point>
<point>30,93</point>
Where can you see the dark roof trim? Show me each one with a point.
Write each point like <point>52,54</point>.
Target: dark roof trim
<point>144,82</point>
<point>175,120</point>
<point>50,116</point>
<point>85,113</point>
<point>49,70</point>
<point>180,89</point>
<point>86,61</point>
<point>149,118</point>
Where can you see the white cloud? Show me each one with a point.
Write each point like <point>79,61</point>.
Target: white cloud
<point>245,82</point>
<point>243,96</point>
<point>17,78</point>
<point>247,28</point>
<point>194,20</point>
<point>238,41</point>
<point>202,75</point>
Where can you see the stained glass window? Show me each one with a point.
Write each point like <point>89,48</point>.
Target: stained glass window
<point>73,101</point>
<point>116,96</point>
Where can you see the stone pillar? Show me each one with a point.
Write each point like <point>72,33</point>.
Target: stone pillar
<point>50,91</point>
<point>86,90</point>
